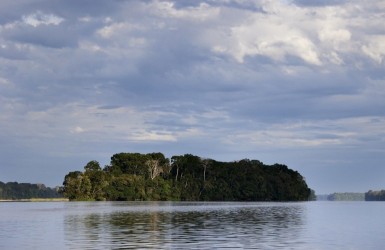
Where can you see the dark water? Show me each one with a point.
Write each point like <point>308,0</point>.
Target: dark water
<point>180,225</point>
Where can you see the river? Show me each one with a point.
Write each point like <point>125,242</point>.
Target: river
<point>192,225</point>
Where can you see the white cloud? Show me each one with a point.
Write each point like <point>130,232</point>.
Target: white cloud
<point>78,130</point>
<point>119,29</point>
<point>274,33</point>
<point>40,18</point>
<point>375,48</point>
<point>201,13</point>
<point>335,37</point>
<point>152,136</point>
<point>271,39</point>
<point>317,35</point>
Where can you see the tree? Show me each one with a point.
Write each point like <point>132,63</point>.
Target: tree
<point>77,186</point>
<point>154,168</point>
<point>176,162</point>
<point>206,163</point>
<point>98,180</point>
<point>129,163</point>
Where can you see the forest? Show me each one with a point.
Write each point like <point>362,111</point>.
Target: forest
<point>135,176</point>
<point>346,197</point>
<point>17,191</point>
<point>375,195</point>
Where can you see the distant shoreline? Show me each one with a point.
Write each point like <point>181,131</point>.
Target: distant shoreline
<point>38,200</point>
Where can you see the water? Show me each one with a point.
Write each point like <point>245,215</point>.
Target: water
<point>192,225</point>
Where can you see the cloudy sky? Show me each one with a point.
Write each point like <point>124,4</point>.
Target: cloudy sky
<point>296,82</point>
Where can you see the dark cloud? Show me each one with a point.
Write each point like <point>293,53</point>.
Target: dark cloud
<point>45,35</point>
<point>71,9</point>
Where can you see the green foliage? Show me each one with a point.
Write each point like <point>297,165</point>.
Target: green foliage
<point>134,176</point>
<point>346,197</point>
<point>16,191</point>
<point>98,180</point>
<point>77,186</point>
<point>126,187</point>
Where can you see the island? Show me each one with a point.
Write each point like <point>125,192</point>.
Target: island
<point>152,176</point>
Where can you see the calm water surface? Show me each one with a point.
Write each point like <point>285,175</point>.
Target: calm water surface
<point>185,225</point>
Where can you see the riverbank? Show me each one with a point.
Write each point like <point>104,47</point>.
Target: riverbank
<point>37,200</point>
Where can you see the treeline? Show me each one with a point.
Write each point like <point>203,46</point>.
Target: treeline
<point>368,196</point>
<point>346,197</point>
<point>17,191</point>
<point>375,195</point>
<point>135,176</point>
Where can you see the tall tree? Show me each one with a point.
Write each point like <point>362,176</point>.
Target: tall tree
<point>98,180</point>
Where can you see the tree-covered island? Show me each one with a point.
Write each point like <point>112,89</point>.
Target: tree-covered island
<point>135,176</point>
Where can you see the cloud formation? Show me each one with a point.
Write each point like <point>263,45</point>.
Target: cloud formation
<point>293,82</point>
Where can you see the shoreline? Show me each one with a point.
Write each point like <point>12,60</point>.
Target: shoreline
<point>38,200</point>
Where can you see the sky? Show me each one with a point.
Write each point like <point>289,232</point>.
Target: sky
<point>296,82</point>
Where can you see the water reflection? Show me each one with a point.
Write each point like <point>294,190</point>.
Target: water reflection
<point>185,225</point>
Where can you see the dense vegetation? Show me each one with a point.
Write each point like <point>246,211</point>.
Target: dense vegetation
<point>375,195</point>
<point>346,197</point>
<point>134,176</point>
<point>16,191</point>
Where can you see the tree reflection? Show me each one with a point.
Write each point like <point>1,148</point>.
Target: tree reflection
<point>207,226</point>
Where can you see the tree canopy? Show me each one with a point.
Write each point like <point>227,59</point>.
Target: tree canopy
<point>135,176</point>
<point>346,197</point>
<point>375,195</point>
<point>16,191</point>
